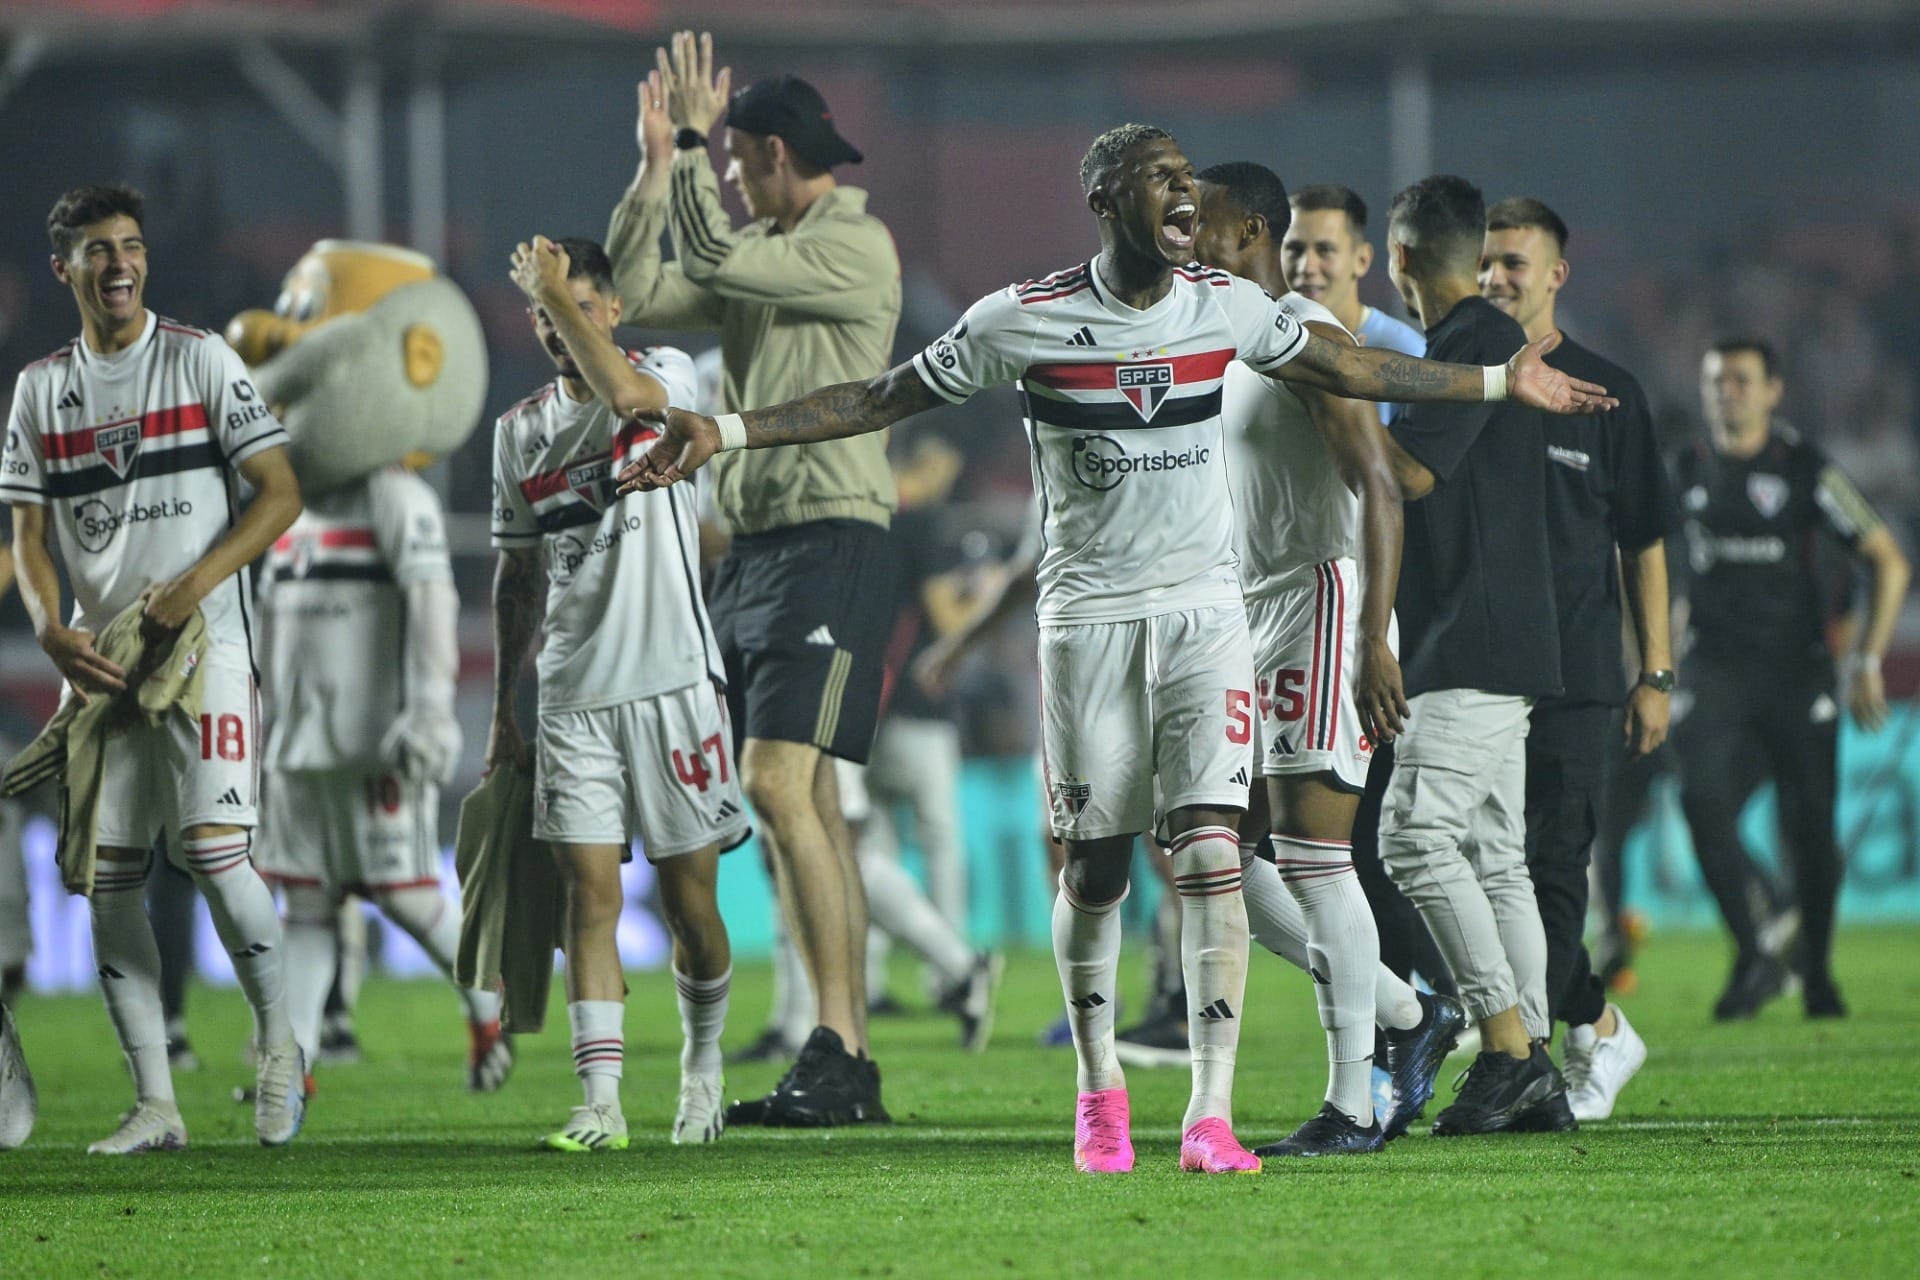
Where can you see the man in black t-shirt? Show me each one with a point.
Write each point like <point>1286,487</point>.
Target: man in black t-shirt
<point>1478,643</point>
<point>1609,510</point>
<point>1760,502</point>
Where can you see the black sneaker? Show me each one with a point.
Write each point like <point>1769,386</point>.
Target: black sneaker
<point>972,998</point>
<point>339,1046</point>
<point>770,1047</point>
<point>825,1087</point>
<point>1822,998</point>
<point>1414,1058</point>
<point>1504,1094</point>
<point>180,1054</point>
<point>1331,1133</point>
<point>1755,980</point>
<point>885,1005</point>
<point>1160,1040</point>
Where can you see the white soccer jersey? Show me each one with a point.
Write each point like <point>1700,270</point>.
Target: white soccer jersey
<point>335,606</point>
<point>625,618</point>
<point>1292,508</point>
<point>135,452</point>
<point>1123,417</point>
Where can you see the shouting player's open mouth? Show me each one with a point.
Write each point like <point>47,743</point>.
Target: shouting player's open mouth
<point>1176,228</point>
<point>117,290</point>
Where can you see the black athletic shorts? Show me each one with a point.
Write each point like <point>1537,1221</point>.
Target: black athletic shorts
<point>802,615</point>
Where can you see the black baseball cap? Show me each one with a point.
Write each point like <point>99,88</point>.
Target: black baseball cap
<point>788,108</point>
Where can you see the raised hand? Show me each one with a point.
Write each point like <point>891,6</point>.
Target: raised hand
<point>686,441</point>
<point>654,130</point>
<point>1532,381</point>
<point>696,97</point>
<point>540,269</point>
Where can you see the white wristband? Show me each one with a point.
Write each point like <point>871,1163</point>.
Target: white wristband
<point>733,431</point>
<point>1494,386</point>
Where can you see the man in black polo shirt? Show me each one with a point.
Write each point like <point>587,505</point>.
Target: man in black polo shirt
<point>1606,489</point>
<point>1760,502</point>
<point>1478,643</point>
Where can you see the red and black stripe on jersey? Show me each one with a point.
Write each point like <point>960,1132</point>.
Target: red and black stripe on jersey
<point>580,492</point>
<point>327,555</point>
<point>1060,284</point>
<point>170,441</point>
<point>1078,378</point>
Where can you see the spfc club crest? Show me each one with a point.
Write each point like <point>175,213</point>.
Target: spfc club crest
<point>1145,386</point>
<point>1071,796</point>
<point>1768,494</point>
<point>117,443</point>
<point>589,480</point>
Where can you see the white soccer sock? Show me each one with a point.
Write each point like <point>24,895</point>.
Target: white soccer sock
<point>1213,955</point>
<point>703,1015</point>
<point>1086,950</point>
<point>432,919</point>
<point>795,1014</point>
<point>249,928</point>
<point>599,1050</point>
<point>1343,950</point>
<point>898,907</point>
<point>313,952</point>
<point>128,962</point>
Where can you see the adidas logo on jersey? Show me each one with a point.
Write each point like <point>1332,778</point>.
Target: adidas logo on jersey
<point>1239,779</point>
<point>1081,337</point>
<point>1282,746</point>
<point>820,635</point>
<point>71,400</point>
<point>232,797</point>
<point>1218,1011</point>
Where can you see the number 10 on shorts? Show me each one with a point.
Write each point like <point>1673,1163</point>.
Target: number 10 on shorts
<point>695,773</point>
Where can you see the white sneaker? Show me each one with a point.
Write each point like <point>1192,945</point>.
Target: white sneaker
<point>280,1094</point>
<point>700,1117</point>
<point>150,1126</point>
<point>600,1128</point>
<point>19,1102</point>
<point>1598,1067</point>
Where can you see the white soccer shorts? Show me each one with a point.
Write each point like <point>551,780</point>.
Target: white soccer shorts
<point>1303,646</point>
<point>1123,701</point>
<point>186,772</point>
<point>659,768</point>
<point>347,831</point>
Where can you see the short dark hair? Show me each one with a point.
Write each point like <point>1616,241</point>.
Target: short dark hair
<point>586,260</point>
<point>1109,147</point>
<point>1519,213</point>
<point>1255,188</point>
<point>81,207</point>
<point>1442,220</point>
<point>1769,358</point>
<point>1327,196</point>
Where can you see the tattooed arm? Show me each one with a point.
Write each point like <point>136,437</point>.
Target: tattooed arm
<point>518,584</point>
<point>687,440</point>
<point>1376,373</point>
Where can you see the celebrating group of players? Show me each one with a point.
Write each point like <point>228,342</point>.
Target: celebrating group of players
<point>1249,581</point>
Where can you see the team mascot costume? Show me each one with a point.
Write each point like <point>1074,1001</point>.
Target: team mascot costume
<point>376,364</point>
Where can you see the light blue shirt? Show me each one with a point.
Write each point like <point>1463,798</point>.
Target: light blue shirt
<point>1381,330</point>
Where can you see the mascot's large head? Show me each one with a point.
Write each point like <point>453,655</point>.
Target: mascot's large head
<point>370,357</point>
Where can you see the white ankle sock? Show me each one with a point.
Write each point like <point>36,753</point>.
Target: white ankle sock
<point>1213,955</point>
<point>703,1015</point>
<point>128,962</point>
<point>1343,950</point>
<point>243,916</point>
<point>1086,950</point>
<point>599,1051</point>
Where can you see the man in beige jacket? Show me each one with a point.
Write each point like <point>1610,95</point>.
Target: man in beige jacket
<point>806,295</point>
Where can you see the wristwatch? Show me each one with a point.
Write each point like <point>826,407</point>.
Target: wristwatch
<point>689,140</point>
<point>1658,681</point>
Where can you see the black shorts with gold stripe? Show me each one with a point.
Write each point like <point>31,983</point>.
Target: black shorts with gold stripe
<point>802,615</point>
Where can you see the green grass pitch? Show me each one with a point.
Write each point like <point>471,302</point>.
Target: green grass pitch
<point>1778,1147</point>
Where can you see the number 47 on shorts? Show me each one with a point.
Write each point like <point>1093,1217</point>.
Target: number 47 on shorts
<point>694,772</point>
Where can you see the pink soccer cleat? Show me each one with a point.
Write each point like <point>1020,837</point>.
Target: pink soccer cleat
<point>1210,1147</point>
<point>1101,1141</point>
